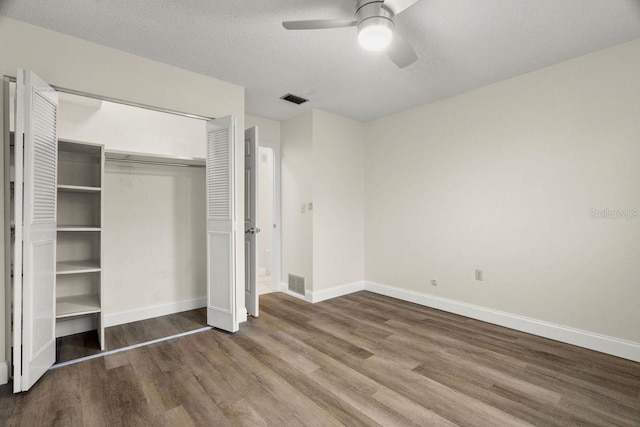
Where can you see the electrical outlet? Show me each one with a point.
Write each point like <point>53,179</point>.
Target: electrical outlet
<point>479,275</point>
<point>310,206</point>
<point>434,282</point>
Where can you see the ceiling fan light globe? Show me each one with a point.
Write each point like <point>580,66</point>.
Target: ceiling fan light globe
<point>375,37</point>
<point>375,32</point>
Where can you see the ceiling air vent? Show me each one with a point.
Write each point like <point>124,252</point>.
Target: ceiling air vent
<point>295,99</point>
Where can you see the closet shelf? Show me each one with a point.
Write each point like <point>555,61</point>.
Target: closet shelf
<point>70,145</point>
<point>156,159</point>
<point>77,305</point>
<point>77,228</point>
<point>76,267</point>
<point>79,189</point>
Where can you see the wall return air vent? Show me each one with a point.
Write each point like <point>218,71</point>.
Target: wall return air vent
<point>296,284</point>
<point>293,98</point>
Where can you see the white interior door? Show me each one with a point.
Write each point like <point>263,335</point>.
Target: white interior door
<point>251,229</point>
<point>221,224</point>
<point>35,249</point>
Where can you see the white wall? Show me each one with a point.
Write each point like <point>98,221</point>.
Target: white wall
<point>73,63</point>
<point>154,236</point>
<point>268,130</point>
<point>297,188</point>
<point>127,128</point>
<point>323,164</point>
<point>505,179</point>
<point>76,64</point>
<point>338,200</point>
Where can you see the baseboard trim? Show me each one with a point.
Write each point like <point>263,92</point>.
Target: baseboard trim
<point>336,291</point>
<point>306,297</point>
<point>120,318</point>
<point>4,373</point>
<point>590,340</point>
<point>242,315</point>
<point>284,288</point>
<point>602,343</point>
<point>76,325</point>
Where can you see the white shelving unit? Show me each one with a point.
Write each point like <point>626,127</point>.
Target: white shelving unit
<point>79,250</point>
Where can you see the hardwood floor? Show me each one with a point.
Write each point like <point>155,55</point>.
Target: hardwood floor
<point>361,359</point>
<point>86,344</point>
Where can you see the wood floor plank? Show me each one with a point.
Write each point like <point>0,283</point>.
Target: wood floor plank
<point>244,383</point>
<point>304,408</point>
<point>293,359</point>
<point>361,402</point>
<point>378,348</point>
<point>93,387</point>
<point>240,413</point>
<point>179,416</point>
<point>358,360</point>
<point>182,389</point>
<point>65,404</point>
<point>414,412</point>
<point>437,397</point>
<point>307,385</point>
<point>520,405</point>
<point>125,400</point>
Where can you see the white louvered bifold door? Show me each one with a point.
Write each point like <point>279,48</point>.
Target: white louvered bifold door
<point>221,277</point>
<point>36,177</point>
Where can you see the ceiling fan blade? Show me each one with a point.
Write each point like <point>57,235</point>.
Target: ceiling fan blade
<point>401,52</point>
<point>318,24</point>
<point>397,6</point>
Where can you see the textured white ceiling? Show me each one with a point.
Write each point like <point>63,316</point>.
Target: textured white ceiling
<point>461,44</point>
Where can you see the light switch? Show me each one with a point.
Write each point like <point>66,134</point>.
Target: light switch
<point>303,208</point>
<point>310,206</point>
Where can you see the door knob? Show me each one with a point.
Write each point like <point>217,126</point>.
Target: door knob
<point>253,230</point>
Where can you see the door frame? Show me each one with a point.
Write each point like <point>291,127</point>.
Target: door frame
<point>276,237</point>
<point>6,357</point>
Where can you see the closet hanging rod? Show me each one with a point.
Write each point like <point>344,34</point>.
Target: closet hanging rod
<point>150,162</point>
<point>122,101</point>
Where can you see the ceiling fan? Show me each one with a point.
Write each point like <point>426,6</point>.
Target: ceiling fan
<point>375,22</point>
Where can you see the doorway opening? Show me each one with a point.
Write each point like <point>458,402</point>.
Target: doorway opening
<point>268,259</point>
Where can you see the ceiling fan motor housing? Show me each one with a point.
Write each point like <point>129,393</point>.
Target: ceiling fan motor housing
<point>373,13</point>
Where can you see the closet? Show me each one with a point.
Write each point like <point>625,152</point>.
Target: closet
<point>83,253</point>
